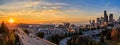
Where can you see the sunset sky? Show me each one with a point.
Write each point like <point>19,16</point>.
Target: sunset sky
<point>56,11</point>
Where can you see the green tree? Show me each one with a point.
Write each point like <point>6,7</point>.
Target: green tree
<point>80,32</point>
<point>108,36</point>
<point>102,39</point>
<point>26,31</point>
<point>40,34</point>
<point>3,28</point>
<point>8,36</point>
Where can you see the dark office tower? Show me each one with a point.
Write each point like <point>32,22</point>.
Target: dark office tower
<point>111,17</point>
<point>105,16</point>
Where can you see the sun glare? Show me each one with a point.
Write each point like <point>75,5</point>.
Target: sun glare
<point>11,20</point>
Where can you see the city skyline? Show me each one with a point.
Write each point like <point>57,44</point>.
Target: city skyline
<point>56,11</point>
<point>59,22</point>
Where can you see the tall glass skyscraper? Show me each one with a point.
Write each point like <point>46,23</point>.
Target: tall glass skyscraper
<point>111,17</point>
<point>105,16</point>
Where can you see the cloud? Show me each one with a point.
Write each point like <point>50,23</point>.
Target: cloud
<point>30,4</point>
<point>37,10</point>
<point>32,8</point>
<point>34,14</point>
<point>17,5</point>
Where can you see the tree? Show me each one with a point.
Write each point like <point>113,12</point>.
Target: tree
<point>98,27</point>
<point>8,36</point>
<point>3,28</point>
<point>80,32</point>
<point>40,34</point>
<point>26,31</point>
<point>115,34</point>
<point>108,36</point>
<point>54,39</point>
<point>102,39</point>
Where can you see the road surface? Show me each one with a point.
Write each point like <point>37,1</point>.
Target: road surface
<point>31,40</point>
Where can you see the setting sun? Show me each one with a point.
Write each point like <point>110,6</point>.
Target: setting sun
<point>11,20</point>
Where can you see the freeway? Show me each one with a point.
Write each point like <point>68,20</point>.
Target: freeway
<point>28,40</point>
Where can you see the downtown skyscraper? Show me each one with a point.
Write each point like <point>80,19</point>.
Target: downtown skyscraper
<point>111,18</point>
<point>105,16</point>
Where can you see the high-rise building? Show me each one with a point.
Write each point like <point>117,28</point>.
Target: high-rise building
<point>111,17</point>
<point>105,16</point>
